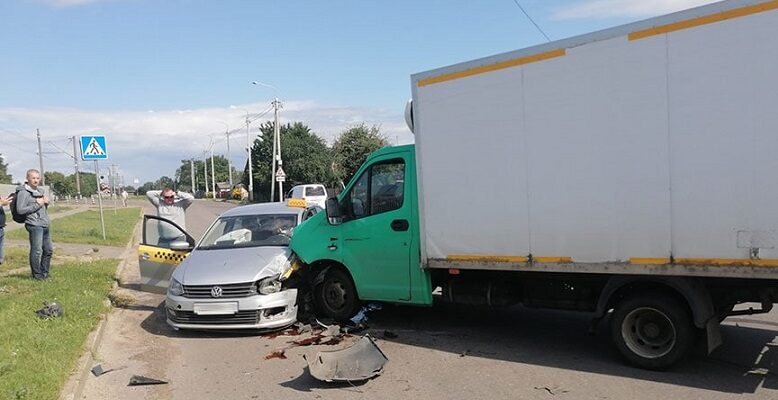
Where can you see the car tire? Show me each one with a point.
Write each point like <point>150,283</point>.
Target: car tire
<point>652,330</point>
<point>336,296</point>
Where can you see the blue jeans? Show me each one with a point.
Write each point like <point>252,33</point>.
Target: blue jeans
<point>2,237</point>
<point>41,250</point>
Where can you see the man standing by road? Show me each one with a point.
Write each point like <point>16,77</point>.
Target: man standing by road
<point>4,201</point>
<point>172,206</point>
<point>124,197</point>
<point>32,203</point>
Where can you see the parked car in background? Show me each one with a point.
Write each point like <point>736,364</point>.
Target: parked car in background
<point>314,194</point>
<point>234,277</point>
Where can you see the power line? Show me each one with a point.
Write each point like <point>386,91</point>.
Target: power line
<point>531,20</point>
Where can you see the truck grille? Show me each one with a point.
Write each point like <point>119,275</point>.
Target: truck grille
<point>229,291</point>
<point>249,317</point>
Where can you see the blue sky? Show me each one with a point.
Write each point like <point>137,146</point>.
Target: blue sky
<point>157,77</point>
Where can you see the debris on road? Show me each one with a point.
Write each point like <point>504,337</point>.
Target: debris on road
<point>362,361</point>
<point>276,354</point>
<point>390,335</point>
<point>98,370</point>
<point>50,310</point>
<point>138,380</point>
<point>554,390</point>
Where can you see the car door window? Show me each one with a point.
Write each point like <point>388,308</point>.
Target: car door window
<point>160,233</point>
<point>379,189</point>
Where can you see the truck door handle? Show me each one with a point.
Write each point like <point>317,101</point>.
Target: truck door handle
<point>400,225</point>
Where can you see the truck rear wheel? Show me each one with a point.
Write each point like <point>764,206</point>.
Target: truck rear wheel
<point>652,330</point>
<point>336,295</point>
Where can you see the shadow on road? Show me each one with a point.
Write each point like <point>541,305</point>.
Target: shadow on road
<point>559,339</point>
<point>556,339</point>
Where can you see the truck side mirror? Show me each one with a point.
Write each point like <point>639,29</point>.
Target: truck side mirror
<point>334,216</point>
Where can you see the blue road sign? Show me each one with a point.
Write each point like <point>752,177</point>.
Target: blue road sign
<point>93,148</point>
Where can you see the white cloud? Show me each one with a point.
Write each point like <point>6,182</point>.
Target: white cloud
<point>149,144</point>
<point>625,8</point>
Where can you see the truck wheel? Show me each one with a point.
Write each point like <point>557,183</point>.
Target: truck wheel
<point>336,296</point>
<point>652,331</point>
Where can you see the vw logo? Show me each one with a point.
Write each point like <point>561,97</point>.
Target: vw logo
<point>216,291</point>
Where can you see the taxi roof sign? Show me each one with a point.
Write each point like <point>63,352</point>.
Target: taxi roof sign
<point>301,203</point>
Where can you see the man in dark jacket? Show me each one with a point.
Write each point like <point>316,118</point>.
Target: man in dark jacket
<point>32,203</point>
<point>4,201</point>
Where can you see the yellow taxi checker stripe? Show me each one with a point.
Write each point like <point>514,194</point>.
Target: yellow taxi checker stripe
<point>164,256</point>
<point>461,257</point>
<point>746,262</point>
<point>708,19</point>
<point>492,67</point>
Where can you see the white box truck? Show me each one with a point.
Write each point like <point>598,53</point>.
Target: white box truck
<point>633,169</point>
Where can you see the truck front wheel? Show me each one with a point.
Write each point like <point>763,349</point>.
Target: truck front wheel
<point>652,330</point>
<point>336,296</point>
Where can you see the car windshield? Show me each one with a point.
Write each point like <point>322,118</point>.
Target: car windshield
<point>249,231</point>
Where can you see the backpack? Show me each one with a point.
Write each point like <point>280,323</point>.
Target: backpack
<point>20,218</point>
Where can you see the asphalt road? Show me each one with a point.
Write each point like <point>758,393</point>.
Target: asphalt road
<point>438,353</point>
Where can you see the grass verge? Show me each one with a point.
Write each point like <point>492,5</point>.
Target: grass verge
<point>85,228</point>
<point>15,257</point>
<point>58,208</point>
<point>37,356</point>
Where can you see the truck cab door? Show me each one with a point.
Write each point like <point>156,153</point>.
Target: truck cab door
<point>163,246</point>
<point>376,233</point>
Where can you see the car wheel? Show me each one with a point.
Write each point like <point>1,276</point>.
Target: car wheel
<point>652,331</point>
<point>336,295</point>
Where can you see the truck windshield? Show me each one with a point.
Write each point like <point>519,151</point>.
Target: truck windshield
<point>249,231</point>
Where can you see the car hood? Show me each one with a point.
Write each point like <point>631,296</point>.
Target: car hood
<point>225,266</point>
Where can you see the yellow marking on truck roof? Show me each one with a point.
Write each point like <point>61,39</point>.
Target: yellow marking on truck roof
<point>559,260</point>
<point>492,67</point>
<point>726,262</point>
<point>462,257</point>
<point>649,261</point>
<point>708,19</point>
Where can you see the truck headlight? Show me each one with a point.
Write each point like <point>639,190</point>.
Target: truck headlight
<point>175,288</point>
<point>269,285</point>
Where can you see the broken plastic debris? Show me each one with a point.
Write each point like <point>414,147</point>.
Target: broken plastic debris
<point>276,354</point>
<point>50,310</point>
<point>362,361</point>
<point>97,370</point>
<point>137,380</point>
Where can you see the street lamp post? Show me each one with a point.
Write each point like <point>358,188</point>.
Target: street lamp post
<point>276,144</point>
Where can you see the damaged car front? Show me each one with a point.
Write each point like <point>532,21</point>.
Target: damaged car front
<point>237,276</point>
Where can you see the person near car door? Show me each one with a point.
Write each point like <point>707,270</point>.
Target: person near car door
<point>33,203</point>
<point>172,206</point>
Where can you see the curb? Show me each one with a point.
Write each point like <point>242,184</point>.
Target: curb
<point>96,337</point>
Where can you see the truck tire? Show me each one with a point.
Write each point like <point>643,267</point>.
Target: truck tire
<point>336,296</point>
<point>652,330</point>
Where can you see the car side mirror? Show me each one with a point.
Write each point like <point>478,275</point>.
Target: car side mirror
<point>334,216</point>
<point>182,245</point>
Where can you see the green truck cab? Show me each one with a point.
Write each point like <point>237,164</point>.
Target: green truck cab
<point>366,247</point>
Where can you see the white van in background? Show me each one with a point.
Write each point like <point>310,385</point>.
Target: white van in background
<point>314,194</point>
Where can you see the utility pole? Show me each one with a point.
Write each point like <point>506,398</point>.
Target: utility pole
<point>191,167</point>
<point>205,173</point>
<point>40,158</point>
<point>213,173</point>
<point>276,154</point>
<point>229,162</point>
<point>248,147</point>
<point>75,165</point>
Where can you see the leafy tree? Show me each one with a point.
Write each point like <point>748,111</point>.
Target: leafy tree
<point>184,173</point>
<point>164,182</point>
<point>305,157</point>
<point>146,187</point>
<point>59,183</point>
<point>4,176</point>
<point>353,146</point>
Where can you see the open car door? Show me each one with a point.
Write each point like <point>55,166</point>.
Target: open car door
<point>163,246</point>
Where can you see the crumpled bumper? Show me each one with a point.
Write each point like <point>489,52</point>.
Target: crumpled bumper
<point>263,312</point>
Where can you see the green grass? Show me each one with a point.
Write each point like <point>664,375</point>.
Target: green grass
<point>58,208</point>
<point>37,356</point>
<point>15,257</point>
<point>84,228</point>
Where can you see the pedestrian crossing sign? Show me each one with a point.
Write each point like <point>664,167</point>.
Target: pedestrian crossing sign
<point>93,148</point>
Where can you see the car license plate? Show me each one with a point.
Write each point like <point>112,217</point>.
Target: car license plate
<point>216,308</point>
